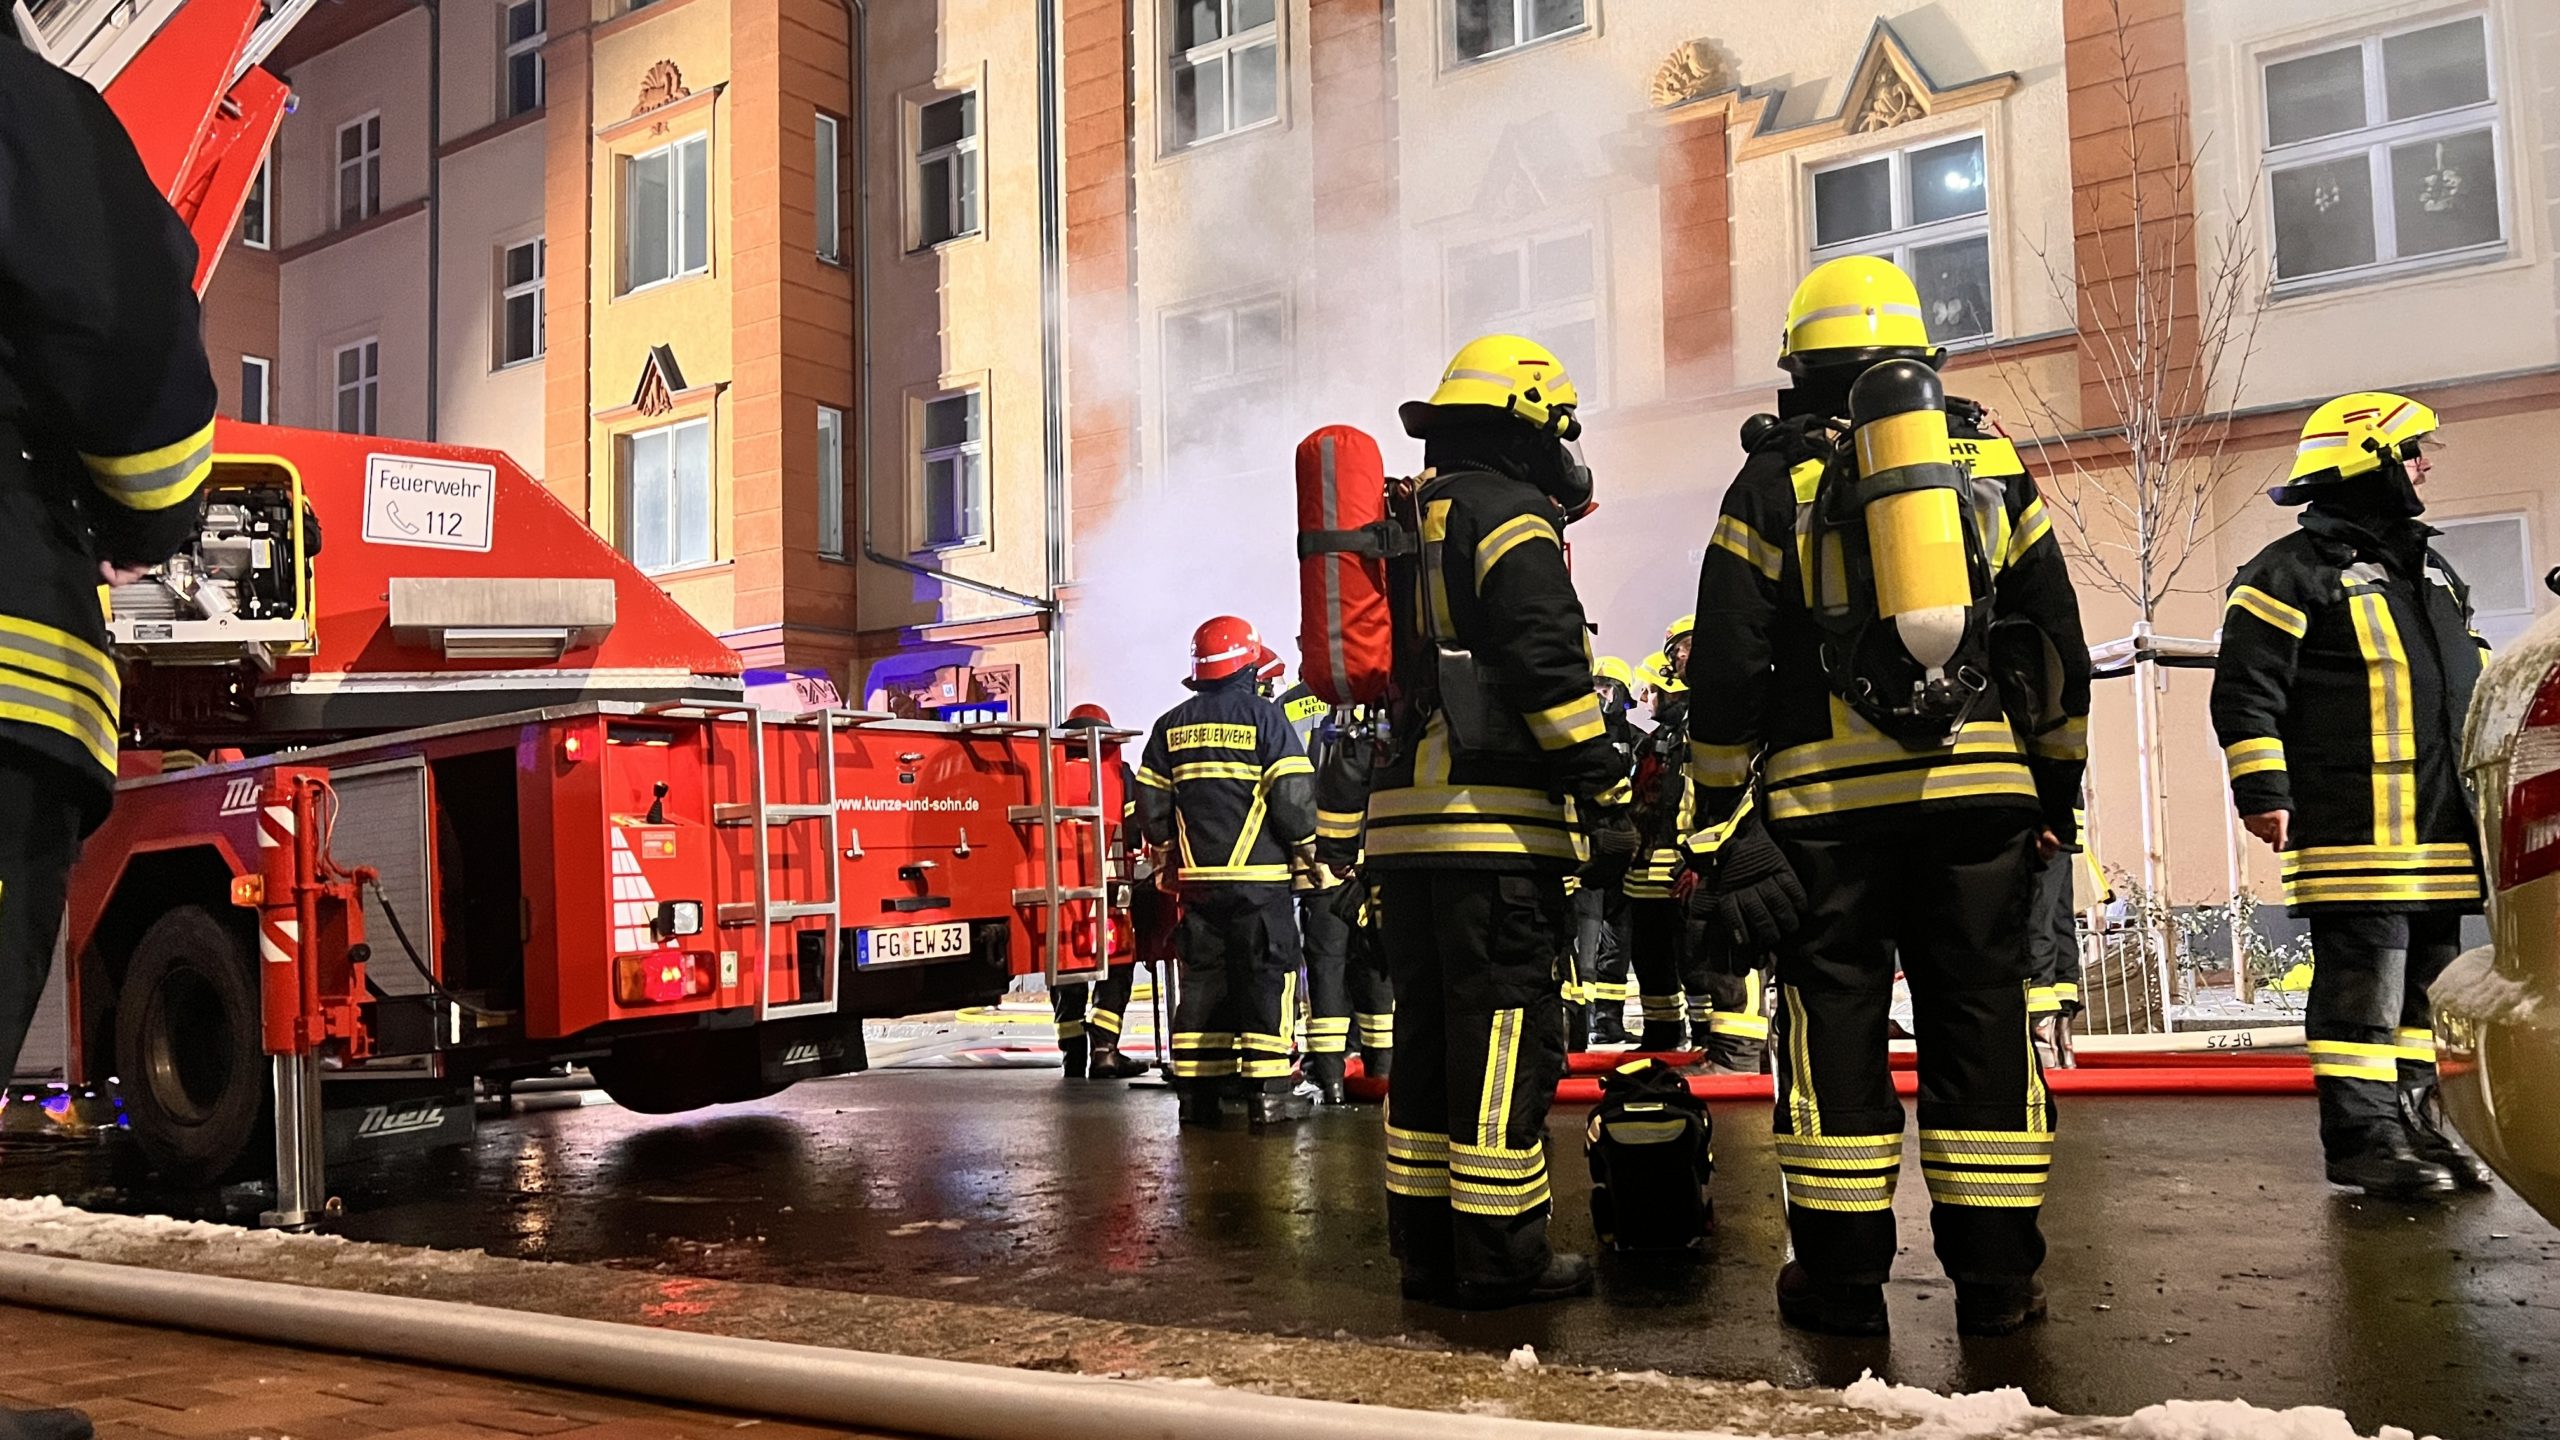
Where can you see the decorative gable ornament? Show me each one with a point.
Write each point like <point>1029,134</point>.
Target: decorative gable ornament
<point>1887,87</point>
<point>661,380</point>
<point>663,85</point>
<point>1692,71</point>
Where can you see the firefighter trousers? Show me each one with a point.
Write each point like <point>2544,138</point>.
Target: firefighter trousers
<point>1657,937</point>
<point>1599,961</point>
<point>1325,938</point>
<point>1091,1013</point>
<point>1735,1025</point>
<point>2368,1020</point>
<point>1373,996</point>
<point>1948,895</point>
<point>40,821</point>
<point>1475,957</point>
<point>1239,988</point>
<point>2054,937</point>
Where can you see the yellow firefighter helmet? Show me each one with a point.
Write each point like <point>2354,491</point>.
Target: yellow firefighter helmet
<point>1610,667</point>
<point>1682,626</point>
<point>1658,673</point>
<point>1506,373</point>
<point>1854,311</point>
<point>2351,436</point>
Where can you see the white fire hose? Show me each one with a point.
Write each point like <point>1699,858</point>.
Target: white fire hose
<point>760,1377</point>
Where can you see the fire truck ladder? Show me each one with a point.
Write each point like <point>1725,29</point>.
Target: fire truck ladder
<point>760,814</point>
<point>1052,895</point>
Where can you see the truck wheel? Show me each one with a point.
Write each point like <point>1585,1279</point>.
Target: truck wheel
<point>670,1074</point>
<point>188,1046</point>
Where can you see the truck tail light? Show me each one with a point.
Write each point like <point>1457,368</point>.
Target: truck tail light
<point>658,977</point>
<point>2529,846</point>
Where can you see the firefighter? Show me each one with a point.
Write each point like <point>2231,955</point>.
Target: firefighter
<point>1500,759</point>
<point>2055,937</point>
<point>1847,588</point>
<point>1599,911</point>
<point>2346,669</point>
<point>1227,789</point>
<point>1672,995</point>
<point>1342,797</point>
<point>1090,1015</point>
<point>1323,934</point>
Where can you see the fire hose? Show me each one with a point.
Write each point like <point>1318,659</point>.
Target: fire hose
<point>2244,1072</point>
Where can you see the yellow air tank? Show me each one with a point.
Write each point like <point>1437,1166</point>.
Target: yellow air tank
<point>1914,508</point>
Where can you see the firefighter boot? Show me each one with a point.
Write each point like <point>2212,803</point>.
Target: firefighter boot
<point>1277,1103</point>
<point>45,1425</point>
<point>1663,1037</point>
<point>1202,1104</point>
<point>1110,1063</point>
<point>1325,1071</point>
<point>1565,1277</point>
<point>1829,1307</point>
<point>1073,1054</point>
<point>1998,1307</point>
<point>2422,1114</point>
<point>1378,1063</point>
<point>1609,1024</point>
<point>2385,1164</point>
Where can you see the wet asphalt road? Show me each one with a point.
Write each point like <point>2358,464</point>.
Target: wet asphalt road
<point>2196,1252</point>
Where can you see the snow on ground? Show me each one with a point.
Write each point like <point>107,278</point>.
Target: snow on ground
<point>48,1226</point>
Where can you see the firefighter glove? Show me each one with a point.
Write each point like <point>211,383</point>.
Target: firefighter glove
<point>1746,890</point>
<point>1613,843</point>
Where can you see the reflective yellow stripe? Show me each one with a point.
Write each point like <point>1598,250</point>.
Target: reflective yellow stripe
<point>64,709</point>
<point>1740,540</point>
<point>1508,536</point>
<point>1338,824</point>
<point>2250,600</point>
<point>2039,1105</point>
<point>1154,780</point>
<point>2354,1060</point>
<point>1501,1065</point>
<point>1738,1025</point>
<point>2066,741</point>
<point>1908,787</point>
<point>2042,1000</point>
<point>1234,874</point>
<point>1572,723</point>
<point>61,655</point>
<point>2391,710</point>
<point>2254,756</point>
<point>1215,770</point>
<point>1377,1032</point>
<point>155,479</point>
<point>1107,1021</point>
<point>1804,1114</point>
<point>2033,525</point>
<point>1288,765</point>
<point>1416,802</point>
<point>1806,478</point>
<point>1417,1144</point>
<point>2414,1045</point>
<point>2352,889</point>
<point>1864,746</point>
<point>1070,1029</point>
<point>1721,767</point>
<point>2442,855</point>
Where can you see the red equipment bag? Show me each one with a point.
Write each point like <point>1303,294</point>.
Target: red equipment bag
<point>1346,637</point>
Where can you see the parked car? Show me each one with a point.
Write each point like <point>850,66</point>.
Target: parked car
<point>2497,1008</point>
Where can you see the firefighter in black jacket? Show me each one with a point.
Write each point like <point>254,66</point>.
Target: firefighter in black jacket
<point>1654,930</point>
<point>106,434</point>
<point>1350,744</point>
<point>1600,962</point>
<point>1499,758</point>
<point>2346,670</point>
<point>1323,933</point>
<point>1225,785</point>
<point>1916,845</point>
<point>1090,1015</point>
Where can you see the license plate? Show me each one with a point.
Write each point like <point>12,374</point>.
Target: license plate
<point>911,943</point>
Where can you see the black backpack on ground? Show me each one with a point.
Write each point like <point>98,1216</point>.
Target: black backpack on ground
<point>1651,1148</point>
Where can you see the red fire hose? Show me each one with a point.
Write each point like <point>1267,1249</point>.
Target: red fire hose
<point>2240,1073</point>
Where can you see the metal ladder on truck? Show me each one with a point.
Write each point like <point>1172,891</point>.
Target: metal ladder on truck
<point>1052,895</point>
<point>760,814</point>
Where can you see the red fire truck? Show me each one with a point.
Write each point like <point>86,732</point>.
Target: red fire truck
<point>427,786</point>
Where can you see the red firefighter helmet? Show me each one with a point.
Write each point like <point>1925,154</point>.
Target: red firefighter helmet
<point>1088,715</point>
<point>1225,644</point>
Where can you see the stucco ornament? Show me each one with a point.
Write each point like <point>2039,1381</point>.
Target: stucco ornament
<point>1889,103</point>
<point>1690,71</point>
<point>663,85</point>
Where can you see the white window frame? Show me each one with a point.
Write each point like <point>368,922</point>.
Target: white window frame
<point>510,49</point>
<point>366,388</point>
<point>1536,321</point>
<point>366,165</point>
<point>1222,53</point>
<point>1266,383</point>
<point>677,199</point>
<point>925,456</point>
<point>2508,622</point>
<point>265,390</point>
<point>827,188</point>
<point>1897,242</point>
<point>2376,138</point>
<point>831,482</point>
<point>537,288</point>
<point>260,208</point>
<point>1522,12</point>
<point>628,489</point>
<point>966,145</point>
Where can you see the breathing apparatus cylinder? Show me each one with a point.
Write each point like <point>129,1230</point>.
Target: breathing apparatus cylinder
<point>1911,494</point>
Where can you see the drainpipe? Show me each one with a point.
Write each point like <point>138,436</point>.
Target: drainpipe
<point>1053,342</point>
<point>435,206</point>
<point>857,52</point>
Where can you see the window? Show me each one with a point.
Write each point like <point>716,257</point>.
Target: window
<point>946,170</point>
<point>2382,154</point>
<point>520,88</point>
<point>666,487</point>
<point>1226,67</point>
<point>1926,209</point>
<point>667,192</point>
<point>829,199</point>
<point>1543,286</point>
<point>955,470</point>
<point>520,303</point>
<point>257,214</point>
<point>2492,555</point>
<point>255,391</point>
<point>1490,27</point>
<point>830,482</point>
<point>1224,370</point>
<point>358,369</point>
<point>360,169</point>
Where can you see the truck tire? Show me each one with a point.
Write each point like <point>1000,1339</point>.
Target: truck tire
<point>188,1046</point>
<point>670,1074</point>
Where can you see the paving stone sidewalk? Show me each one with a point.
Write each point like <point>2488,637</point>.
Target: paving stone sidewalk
<point>140,1383</point>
